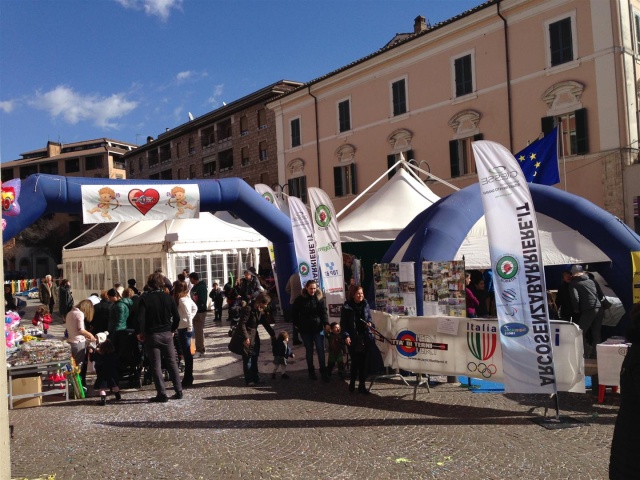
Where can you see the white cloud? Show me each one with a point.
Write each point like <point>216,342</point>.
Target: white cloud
<point>182,76</point>
<point>214,99</point>
<point>159,8</point>
<point>75,107</point>
<point>8,105</point>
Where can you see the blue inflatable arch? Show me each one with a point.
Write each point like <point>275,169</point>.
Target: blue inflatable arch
<point>44,194</point>
<point>439,231</point>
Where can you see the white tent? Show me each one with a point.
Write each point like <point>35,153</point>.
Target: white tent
<point>388,211</point>
<point>559,244</point>
<point>207,245</point>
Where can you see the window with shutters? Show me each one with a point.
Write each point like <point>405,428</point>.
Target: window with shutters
<point>262,119</point>
<point>463,77</point>
<point>461,156</point>
<point>344,115</point>
<point>399,97</point>
<point>574,134</point>
<point>395,158</point>
<point>295,133</point>
<point>344,180</point>
<point>561,40</point>
<point>298,187</point>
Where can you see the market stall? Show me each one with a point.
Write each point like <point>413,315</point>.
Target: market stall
<point>31,358</point>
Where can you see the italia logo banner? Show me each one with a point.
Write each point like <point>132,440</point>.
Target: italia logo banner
<point>304,241</point>
<point>329,248</point>
<point>518,272</point>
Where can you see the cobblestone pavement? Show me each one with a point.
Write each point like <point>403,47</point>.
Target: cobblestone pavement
<point>304,429</point>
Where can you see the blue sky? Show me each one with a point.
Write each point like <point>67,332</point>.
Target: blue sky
<point>73,70</point>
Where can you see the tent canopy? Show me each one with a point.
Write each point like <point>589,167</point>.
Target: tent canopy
<point>204,234</point>
<point>560,245</point>
<point>388,211</point>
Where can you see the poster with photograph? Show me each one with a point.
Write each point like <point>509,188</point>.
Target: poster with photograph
<point>395,288</point>
<point>444,288</point>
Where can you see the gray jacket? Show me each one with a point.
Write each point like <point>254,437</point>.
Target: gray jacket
<point>584,294</point>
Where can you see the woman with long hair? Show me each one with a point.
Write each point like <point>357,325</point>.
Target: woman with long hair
<point>78,333</point>
<point>187,310</point>
<point>355,323</point>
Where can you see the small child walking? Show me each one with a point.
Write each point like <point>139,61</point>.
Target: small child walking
<point>281,352</point>
<point>106,362</point>
<point>42,318</point>
<point>337,350</point>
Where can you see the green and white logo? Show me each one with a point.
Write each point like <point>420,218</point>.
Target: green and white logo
<point>323,215</point>
<point>303,269</point>
<point>268,197</point>
<point>507,267</point>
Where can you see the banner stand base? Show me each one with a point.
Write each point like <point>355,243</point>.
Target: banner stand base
<point>551,423</point>
<point>393,375</point>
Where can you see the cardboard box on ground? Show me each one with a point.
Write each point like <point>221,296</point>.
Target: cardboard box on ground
<point>25,386</point>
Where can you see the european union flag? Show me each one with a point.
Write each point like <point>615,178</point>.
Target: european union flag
<point>539,161</point>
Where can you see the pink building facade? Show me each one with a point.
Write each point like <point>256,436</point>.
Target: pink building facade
<point>506,71</point>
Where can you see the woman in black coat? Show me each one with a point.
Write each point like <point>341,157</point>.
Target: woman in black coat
<point>246,341</point>
<point>355,321</point>
<point>309,314</point>
<point>625,446</point>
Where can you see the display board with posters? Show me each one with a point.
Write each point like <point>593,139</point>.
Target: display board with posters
<point>440,345</point>
<point>444,288</point>
<point>395,288</point>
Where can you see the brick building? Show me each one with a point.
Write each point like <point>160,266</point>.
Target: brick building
<point>236,140</point>
<point>102,158</point>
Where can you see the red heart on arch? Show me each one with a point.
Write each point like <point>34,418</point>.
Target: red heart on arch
<point>143,201</point>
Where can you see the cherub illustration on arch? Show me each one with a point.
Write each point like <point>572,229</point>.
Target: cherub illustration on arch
<point>178,196</point>
<point>108,201</point>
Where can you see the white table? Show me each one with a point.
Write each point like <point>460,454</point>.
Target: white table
<point>610,358</point>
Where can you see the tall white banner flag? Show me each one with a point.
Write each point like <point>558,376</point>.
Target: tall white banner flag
<point>303,241</point>
<point>270,197</point>
<point>521,291</point>
<point>325,226</point>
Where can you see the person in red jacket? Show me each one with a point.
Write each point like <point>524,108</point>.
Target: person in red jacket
<point>42,318</point>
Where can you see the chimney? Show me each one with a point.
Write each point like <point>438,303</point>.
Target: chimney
<point>419,24</point>
<point>149,139</point>
<point>53,149</point>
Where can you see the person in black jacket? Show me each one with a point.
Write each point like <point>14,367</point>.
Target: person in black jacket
<point>310,318</point>
<point>158,320</point>
<point>625,446</point>
<point>66,299</point>
<point>249,286</point>
<point>246,341</point>
<point>217,297</point>
<point>355,321</point>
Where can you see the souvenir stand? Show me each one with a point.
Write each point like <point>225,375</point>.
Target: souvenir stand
<point>30,359</point>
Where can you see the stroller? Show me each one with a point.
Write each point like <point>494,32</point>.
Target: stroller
<point>129,352</point>
<point>146,365</point>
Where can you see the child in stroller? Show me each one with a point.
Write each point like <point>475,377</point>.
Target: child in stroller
<point>235,304</point>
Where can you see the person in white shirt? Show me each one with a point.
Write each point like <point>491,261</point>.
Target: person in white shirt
<point>187,310</point>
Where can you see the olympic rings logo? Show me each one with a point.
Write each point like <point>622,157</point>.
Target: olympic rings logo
<point>482,368</point>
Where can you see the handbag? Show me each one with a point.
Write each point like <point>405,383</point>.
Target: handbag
<point>605,303</point>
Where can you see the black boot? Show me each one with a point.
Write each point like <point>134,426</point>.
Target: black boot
<point>330,366</point>
<point>324,374</point>
<point>312,374</point>
<point>362,388</point>
<point>352,386</point>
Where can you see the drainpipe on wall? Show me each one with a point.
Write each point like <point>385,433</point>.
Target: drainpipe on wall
<point>508,65</point>
<point>315,108</point>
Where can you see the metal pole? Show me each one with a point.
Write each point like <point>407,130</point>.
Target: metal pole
<point>5,450</point>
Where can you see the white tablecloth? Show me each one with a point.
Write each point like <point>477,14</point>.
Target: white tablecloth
<point>610,357</point>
